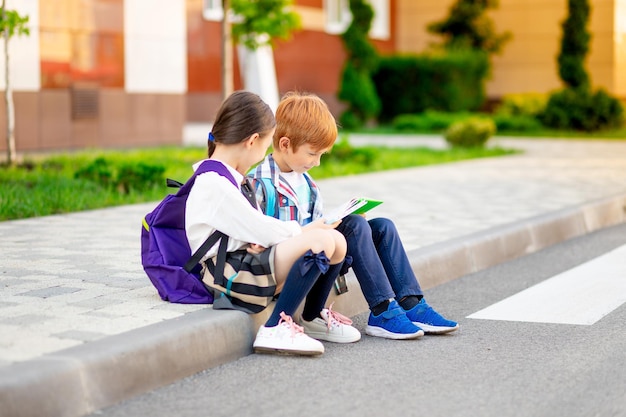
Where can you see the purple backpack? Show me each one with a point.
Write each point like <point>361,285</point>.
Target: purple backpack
<point>165,253</point>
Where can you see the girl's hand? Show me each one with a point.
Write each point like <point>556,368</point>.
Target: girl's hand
<point>321,224</point>
<point>255,248</point>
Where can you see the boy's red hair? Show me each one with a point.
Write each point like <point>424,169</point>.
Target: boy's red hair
<point>305,119</point>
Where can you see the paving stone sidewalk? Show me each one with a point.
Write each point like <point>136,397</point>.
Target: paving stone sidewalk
<point>69,280</point>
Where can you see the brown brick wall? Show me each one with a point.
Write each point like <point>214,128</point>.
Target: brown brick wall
<point>43,121</point>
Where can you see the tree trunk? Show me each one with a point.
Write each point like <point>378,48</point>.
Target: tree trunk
<point>227,53</point>
<point>8,96</point>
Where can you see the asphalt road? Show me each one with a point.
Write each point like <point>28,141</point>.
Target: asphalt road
<point>487,368</point>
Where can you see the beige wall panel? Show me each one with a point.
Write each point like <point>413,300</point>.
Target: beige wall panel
<point>114,118</point>
<point>528,62</point>
<point>620,48</point>
<point>201,107</point>
<point>312,18</point>
<point>26,120</point>
<point>156,119</point>
<point>56,130</point>
<point>26,132</point>
<point>171,118</point>
<point>412,18</point>
<point>85,133</point>
<point>143,112</point>
<point>523,79</point>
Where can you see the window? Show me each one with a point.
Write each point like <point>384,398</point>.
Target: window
<point>380,23</point>
<point>212,10</point>
<point>338,15</point>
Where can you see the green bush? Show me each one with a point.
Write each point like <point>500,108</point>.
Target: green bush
<point>139,176</point>
<point>470,133</point>
<point>342,151</point>
<point>522,104</point>
<point>450,82</point>
<point>580,109</point>
<point>357,88</point>
<point>99,171</point>
<point>429,121</point>
<point>122,176</point>
<point>350,121</point>
<point>575,45</point>
<point>520,123</point>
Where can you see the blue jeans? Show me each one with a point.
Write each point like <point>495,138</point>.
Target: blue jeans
<point>379,260</point>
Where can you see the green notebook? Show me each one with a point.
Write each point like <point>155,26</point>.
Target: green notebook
<point>353,206</point>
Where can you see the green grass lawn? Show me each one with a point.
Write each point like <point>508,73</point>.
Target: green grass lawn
<point>49,185</point>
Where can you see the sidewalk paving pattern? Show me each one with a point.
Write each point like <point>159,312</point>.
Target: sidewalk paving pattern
<point>80,320</point>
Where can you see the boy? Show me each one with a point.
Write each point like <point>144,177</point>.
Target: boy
<point>305,130</point>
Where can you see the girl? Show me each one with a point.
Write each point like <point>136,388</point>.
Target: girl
<point>296,255</point>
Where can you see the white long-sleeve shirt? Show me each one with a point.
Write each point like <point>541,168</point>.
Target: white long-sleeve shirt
<point>214,203</point>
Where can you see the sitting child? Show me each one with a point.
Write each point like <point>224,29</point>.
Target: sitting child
<point>305,130</point>
<point>301,259</point>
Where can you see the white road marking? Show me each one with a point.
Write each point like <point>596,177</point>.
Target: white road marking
<point>582,295</point>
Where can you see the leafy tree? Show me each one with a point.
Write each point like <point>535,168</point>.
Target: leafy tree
<point>575,45</point>
<point>261,21</point>
<point>468,26</point>
<point>357,87</point>
<point>11,24</point>
<point>255,23</point>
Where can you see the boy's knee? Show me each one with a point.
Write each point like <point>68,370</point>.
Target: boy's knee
<point>383,225</point>
<point>354,222</point>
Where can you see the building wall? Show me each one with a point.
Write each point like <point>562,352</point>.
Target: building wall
<point>620,47</point>
<point>204,65</point>
<point>97,73</point>
<point>104,73</point>
<point>528,62</point>
<point>155,55</point>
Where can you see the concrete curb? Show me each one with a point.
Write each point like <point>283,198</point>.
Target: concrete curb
<point>77,381</point>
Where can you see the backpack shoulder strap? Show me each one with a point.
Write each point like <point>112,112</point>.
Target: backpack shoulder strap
<point>271,203</point>
<point>211,165</point>
<point>208,166</point>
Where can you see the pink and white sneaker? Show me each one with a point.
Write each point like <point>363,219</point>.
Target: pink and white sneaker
<point>331,327</point>
<point>286,338</point>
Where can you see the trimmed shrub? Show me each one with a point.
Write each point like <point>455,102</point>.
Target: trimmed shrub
<point>139,176</point>
<point>357,88</point>
<point>575,45</point>
<point>343,151</point>
<point>520,123</point>
<point>99,171</point>
<point>429,121</point>
<point>522,104</point>
<point>449,82</point>
<point>123,177</point>
<point>470,133</point>
<point>580,109</point>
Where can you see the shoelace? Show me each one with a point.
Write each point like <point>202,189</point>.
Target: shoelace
<point>335,316</point>
<point>295,329</point>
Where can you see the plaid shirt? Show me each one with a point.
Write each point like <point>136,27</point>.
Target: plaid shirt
<point>289,208</point>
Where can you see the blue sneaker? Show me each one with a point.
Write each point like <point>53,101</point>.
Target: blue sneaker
<point>393,324</point>
<point>429,320</point>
